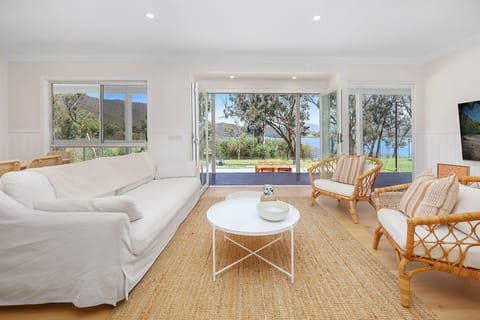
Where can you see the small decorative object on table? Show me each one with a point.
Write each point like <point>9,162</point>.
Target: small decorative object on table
<point>273,210</point>
<point>268,189</point>
<point>268,193</point>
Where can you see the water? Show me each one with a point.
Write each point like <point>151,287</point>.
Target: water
<point>403,152</point>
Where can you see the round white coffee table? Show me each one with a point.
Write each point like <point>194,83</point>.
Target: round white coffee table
<point>239,216</point>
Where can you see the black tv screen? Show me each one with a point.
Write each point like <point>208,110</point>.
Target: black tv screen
<point>469,115</point>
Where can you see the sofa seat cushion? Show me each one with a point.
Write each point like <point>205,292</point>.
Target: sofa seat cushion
<point>159,201</point>
<point>334,187</point>
<point>394,223</point>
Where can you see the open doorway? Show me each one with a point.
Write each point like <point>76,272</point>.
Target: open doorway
<point>279,134</point>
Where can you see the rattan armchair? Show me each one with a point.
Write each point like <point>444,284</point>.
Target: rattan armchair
<point>362,188</point>
<point>433,242</point>
<point>9,165</point>
<point>45,161</point>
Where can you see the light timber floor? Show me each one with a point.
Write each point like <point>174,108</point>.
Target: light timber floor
<point>449,296</point>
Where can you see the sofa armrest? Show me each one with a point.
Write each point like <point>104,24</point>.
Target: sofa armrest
<point>389,197</point>
<point>79,256</point>
<point>435,237</point>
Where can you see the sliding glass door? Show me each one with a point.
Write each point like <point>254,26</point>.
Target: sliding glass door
<point>381,126</point>
<point>330,124</point>
<point>201,125</point>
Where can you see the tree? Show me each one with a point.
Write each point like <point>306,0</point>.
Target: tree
<point>259,111</point>
<point>386,118</point>
<point>72,119</point>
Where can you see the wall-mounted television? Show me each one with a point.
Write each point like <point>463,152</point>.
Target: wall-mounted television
<point>469,115</point>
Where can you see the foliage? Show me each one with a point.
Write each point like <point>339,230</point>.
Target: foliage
<point>72,120</point>
<point>386,118</point>
<point>250,148</point>
<point>257,111</point>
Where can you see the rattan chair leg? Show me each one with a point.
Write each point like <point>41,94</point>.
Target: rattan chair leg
<point>352,207</point>
<point>404,283</point>
<point>376,238</point>
<point>313,197</point>
<point>372,203</point>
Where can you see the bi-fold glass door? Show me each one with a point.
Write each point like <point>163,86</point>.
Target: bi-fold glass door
<point>238,131</point>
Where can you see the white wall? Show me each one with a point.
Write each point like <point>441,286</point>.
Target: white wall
<point>169,94</point>
<point>3,109</point>
<point>449,81</point>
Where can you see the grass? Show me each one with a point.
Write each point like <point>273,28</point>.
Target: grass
<point>404,164</point>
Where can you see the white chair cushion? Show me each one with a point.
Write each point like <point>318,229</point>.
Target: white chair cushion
<point>27,186</point>
<point>395,224</point>
<point>335,187</point>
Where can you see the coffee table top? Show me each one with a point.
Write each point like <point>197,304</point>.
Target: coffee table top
<point>240,216</point>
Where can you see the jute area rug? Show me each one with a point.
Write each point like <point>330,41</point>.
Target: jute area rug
<point>335,277</point>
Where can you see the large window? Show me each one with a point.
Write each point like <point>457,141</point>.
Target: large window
<point>252,128</point>
<point>381,126</point>
<point>99,119</point>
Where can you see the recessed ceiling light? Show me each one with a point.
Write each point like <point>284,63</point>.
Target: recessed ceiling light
<point>316,18</point>
<point>232,77</point>
<point>150,15</point>
<point>294,78</point>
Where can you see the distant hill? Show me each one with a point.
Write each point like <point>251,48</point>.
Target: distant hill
<point>114,110</point>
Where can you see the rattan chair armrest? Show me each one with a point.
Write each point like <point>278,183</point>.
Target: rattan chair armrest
<point>444,219</point>
<point>315,171</point>
<point>398,187</point>
<point>468,179</point>
<point>389,197</point>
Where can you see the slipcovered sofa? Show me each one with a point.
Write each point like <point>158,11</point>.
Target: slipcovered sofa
<point>87,232</point>
<point>434,223</point>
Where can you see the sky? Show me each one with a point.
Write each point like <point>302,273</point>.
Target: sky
<point>136,97</point>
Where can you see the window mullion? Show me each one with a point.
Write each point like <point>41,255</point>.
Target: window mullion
<point>102,139</point>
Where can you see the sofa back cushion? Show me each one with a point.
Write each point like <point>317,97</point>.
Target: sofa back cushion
<point>468,201</point>
<point>428,196</point>
<point>99,177</point>
<point>27,186</point>
<point>349,168</point>
<point>175,169</point>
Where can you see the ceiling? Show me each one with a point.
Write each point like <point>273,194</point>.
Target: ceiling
<point>378,31</point>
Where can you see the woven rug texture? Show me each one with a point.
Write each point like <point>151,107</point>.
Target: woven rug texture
<point>335,277</point>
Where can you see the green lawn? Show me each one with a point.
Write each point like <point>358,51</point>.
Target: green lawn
<point>404,164</point>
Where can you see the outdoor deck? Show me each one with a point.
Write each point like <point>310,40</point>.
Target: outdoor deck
<point>287,178</point>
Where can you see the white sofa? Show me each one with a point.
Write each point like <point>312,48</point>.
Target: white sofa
<point>447,242</point>
<point>78,251</point>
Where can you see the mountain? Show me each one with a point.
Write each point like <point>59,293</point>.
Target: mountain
<point>114,110</point>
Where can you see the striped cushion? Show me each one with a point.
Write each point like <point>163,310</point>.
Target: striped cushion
<point>428,196</point>
<point>349,168</point>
